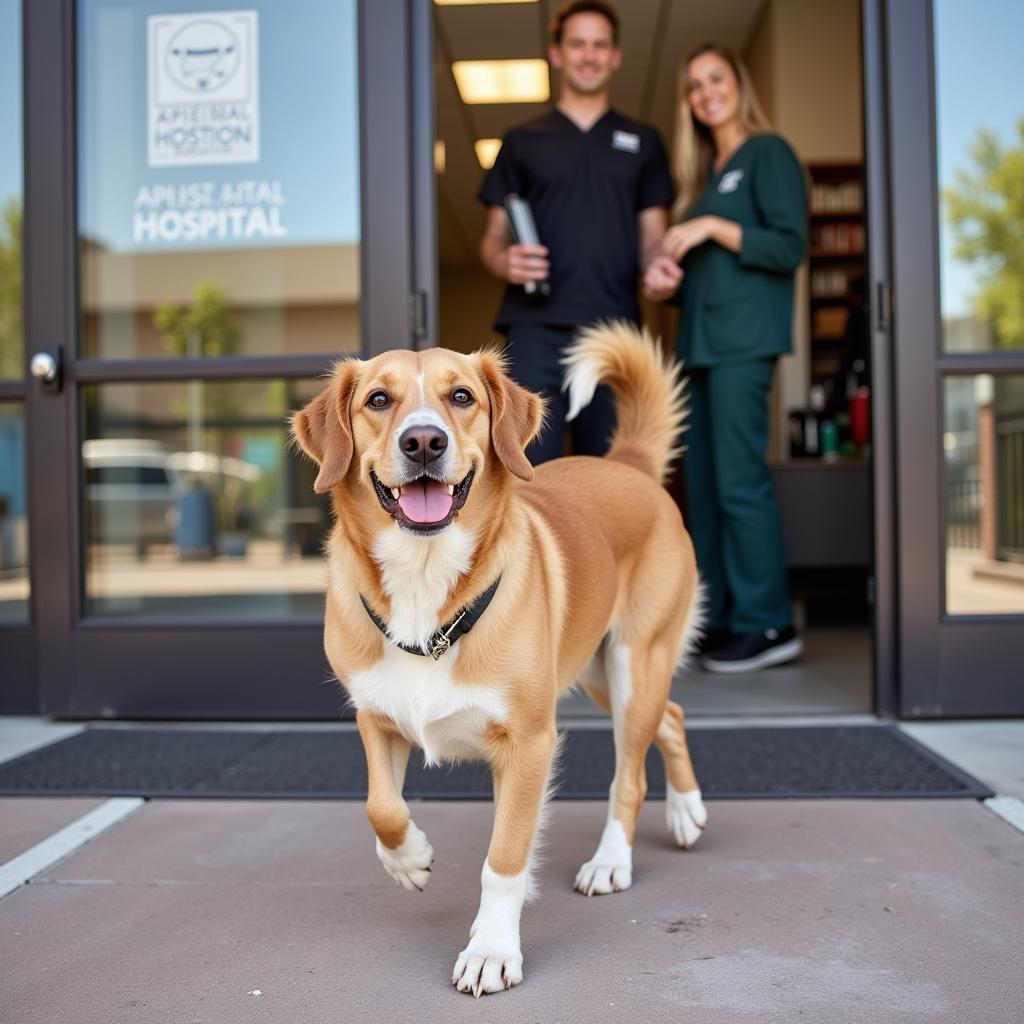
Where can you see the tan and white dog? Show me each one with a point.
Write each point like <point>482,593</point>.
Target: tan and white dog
<point>435,501</point>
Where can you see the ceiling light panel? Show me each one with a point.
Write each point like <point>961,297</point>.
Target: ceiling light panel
<point>487,152</point>
<point>502,81</point>
<point>479,3</point>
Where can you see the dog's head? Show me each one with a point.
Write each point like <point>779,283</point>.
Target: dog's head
<point>416,433</point>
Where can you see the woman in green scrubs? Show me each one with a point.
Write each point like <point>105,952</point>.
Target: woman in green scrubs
<point>742,234</point>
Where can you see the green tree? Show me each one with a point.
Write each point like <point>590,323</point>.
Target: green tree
<point>985,209</point>
<point>11,351</point>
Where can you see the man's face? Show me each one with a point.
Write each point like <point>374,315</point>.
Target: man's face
<point>587,55</point>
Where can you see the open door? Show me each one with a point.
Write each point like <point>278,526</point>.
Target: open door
<point>954,139</point>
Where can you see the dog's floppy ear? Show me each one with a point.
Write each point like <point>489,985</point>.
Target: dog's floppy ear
<point>516,415</point>
<point>323,429</point>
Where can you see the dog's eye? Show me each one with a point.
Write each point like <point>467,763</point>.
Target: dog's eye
<point>379,400</point>
<point>460,396</point>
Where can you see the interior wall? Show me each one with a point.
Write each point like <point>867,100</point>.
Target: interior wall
<point>469,303</point>
<point>805,60</point>
<point>817,81</point>
<point>759,56</point>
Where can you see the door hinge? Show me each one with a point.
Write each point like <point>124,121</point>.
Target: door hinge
<point>418,315</point>
<point>883,306</point>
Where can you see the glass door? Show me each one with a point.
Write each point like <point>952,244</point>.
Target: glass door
<point>16,640</point>
<point>957,178</point>
<point>222,188</point>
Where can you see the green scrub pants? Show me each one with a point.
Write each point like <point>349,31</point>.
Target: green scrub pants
<point>730,501</point>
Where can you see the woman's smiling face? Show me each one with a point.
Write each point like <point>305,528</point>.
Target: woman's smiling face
<point>713,90</point>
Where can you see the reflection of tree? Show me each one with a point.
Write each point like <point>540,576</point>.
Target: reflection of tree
<point>206,328</point>
<point>11,362</point>
<point>986,211</point>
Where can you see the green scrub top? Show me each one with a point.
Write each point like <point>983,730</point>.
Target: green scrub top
<point>739,306</point>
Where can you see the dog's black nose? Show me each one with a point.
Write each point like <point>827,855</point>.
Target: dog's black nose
<point>423,444</point>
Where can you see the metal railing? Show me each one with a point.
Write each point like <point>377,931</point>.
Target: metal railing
<point>1010,489</point>
<point>963,514</point>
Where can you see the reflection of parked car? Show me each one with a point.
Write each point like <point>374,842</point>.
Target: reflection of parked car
<point>131,491</point>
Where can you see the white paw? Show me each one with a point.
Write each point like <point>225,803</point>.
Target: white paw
<point>490,963</point>
<point>611,867</point>
<point>599,879</point>
<point>685,815</point>
<point>409,864</point>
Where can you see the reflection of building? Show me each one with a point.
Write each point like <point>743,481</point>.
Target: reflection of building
<point>285,298</point>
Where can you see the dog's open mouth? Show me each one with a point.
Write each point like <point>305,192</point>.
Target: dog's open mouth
<point>425,505</point>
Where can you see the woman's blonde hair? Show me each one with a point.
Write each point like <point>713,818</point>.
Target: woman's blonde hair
<point>694,149</point>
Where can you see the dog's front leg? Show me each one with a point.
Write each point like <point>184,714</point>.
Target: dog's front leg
<point>493,960</point>
<point>402,847</point>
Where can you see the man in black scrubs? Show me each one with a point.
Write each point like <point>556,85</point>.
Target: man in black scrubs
<point>599,188</point>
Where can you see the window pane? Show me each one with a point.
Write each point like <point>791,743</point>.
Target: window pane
<point>11,357</point>
<point>196,506</point>
<point>219,182</point>
<point>984,455</point>
<point>980,116</point>
<point>13,517</point>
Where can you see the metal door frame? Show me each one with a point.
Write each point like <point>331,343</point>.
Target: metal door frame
<point>883,453</point>
<point>263,669</point>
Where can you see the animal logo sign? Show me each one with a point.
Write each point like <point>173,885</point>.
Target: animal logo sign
<point>203,55</point>
<point>203,84</point>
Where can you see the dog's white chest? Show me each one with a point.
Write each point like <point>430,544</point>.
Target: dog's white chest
<point>447,720</point>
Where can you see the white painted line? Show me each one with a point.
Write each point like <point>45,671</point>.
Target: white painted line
<point>1009,808</point>
<point>27,865</point>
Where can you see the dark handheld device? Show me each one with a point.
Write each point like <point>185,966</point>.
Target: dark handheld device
<point>524,232</point>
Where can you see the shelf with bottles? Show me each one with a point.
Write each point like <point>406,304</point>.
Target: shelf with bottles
<point>829,430</point>
<point>823,432</point>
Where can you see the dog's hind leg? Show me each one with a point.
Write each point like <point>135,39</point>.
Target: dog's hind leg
<point>638,679</point>
<point>594,681</point>
<point>402,847</point>
<point>684,808</point>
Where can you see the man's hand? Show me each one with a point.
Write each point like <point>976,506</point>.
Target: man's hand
<point>662,278</point>
<point>521,263</point>
<point>516,264</point>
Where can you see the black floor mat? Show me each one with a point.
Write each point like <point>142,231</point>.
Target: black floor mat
<point>843,761</point>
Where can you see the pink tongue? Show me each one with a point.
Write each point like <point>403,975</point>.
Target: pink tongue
<point>425,501</point>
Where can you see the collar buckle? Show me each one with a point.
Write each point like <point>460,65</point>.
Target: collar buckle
<point>442,642</point>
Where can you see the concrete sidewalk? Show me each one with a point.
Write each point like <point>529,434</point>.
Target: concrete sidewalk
<point>193,912</point>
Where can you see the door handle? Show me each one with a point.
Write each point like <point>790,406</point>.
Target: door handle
<point>46,367</point>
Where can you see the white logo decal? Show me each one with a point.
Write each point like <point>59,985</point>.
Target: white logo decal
<point>626,141</point>
<point>730,181</point>
<point>203,75</point>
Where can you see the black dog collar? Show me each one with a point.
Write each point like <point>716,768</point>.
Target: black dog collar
<point>443,639</point>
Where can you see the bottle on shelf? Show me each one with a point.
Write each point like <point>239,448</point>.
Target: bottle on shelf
<point>805,426</point>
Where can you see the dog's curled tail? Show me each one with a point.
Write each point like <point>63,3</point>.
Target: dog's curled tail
<point>648,387</point>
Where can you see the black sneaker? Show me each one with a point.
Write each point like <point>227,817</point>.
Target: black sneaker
<point>748,652</point>
<point>711,641</point>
